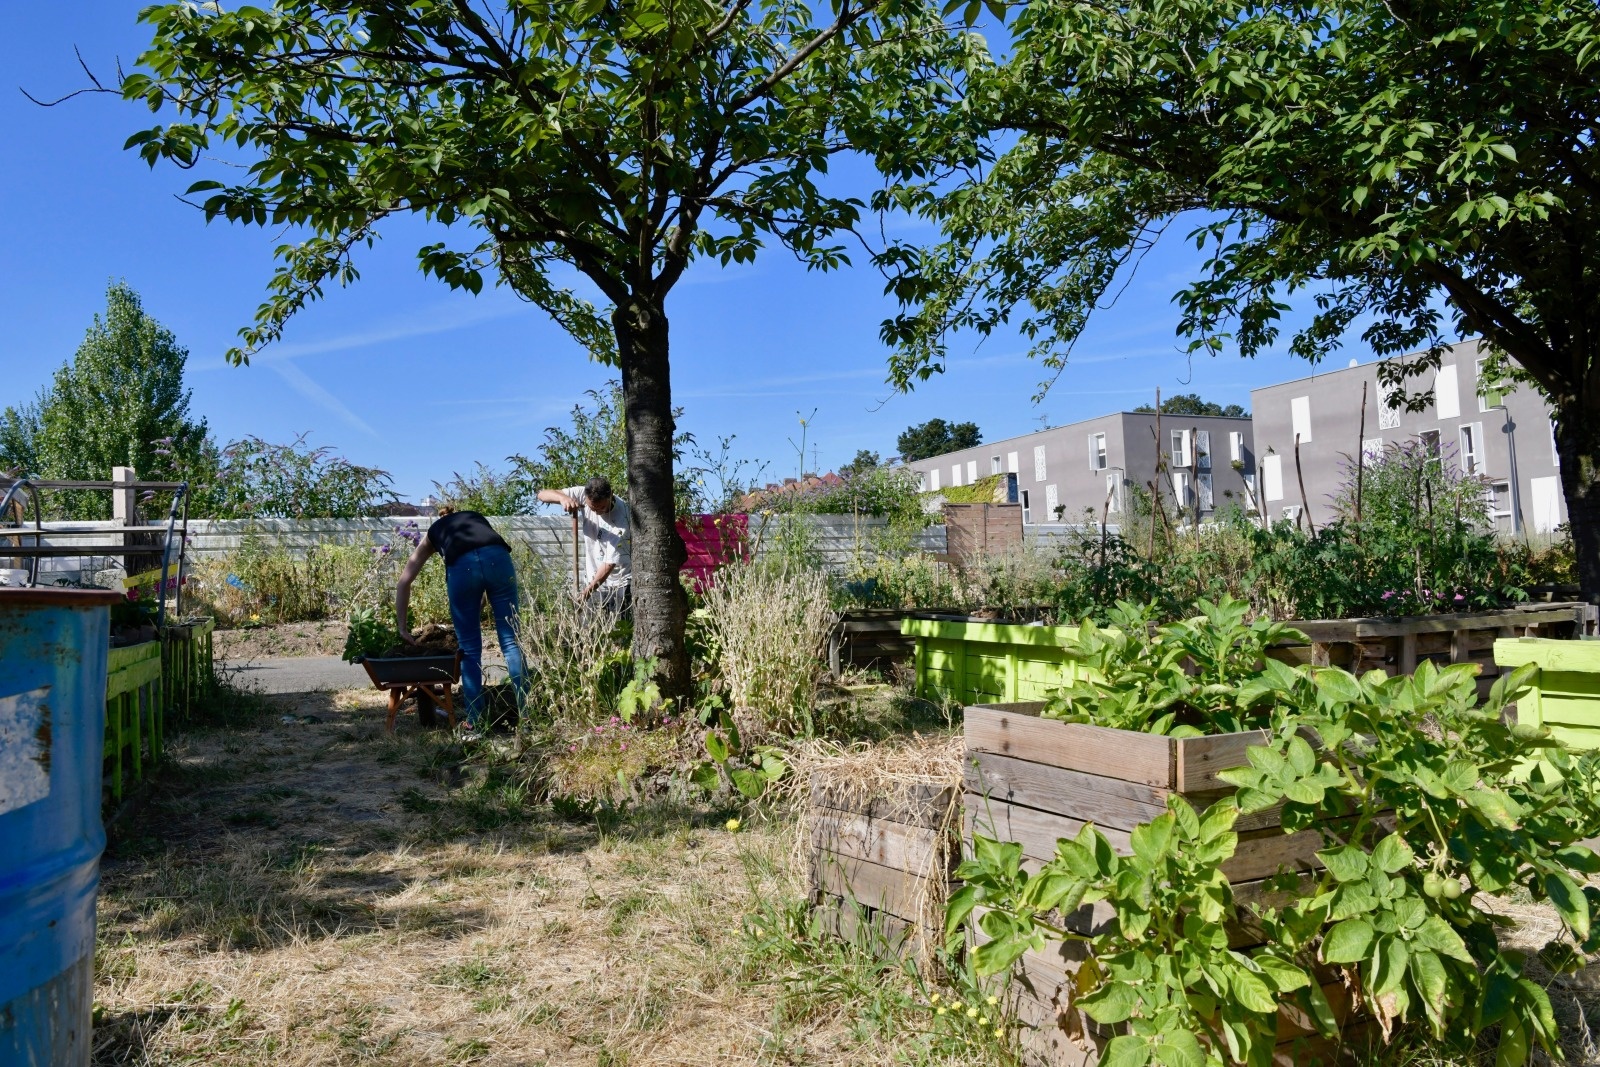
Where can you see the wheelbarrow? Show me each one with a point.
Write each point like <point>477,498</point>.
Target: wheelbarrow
<point>428,678</point>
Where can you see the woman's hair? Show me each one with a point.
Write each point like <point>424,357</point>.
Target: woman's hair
<point>446,509</point>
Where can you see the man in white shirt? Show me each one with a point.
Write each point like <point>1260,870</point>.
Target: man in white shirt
<point>606,528</point>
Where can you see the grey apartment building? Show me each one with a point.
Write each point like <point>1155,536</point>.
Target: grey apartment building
<point>1504,437</point>
<point>1067,471</point>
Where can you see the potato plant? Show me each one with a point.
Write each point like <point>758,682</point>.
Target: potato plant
<point>1426,803</point>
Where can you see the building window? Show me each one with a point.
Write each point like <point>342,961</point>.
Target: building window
<point>1235,447</point>
<point>1472,448</point>
<point>1039,474</point>
<point>1180,448</point>
<point>1051,504</point>
<point>1291,512</point>
<point>1204,501</point>
<point>1180,488</point>
<point>1300,417</point>
<point>1447,393</point>
<point>1430,442</point>
<point>1389,413</point>
<point>933,480</point>
<point>1026,517</point>
<point>1113,505</point>
<point>922,481</point>
<point>1371,449</point>
<point>994,465</point>
<point>1011,463</point>
<point>1250,494</point>
<point>1272,477</point>
<point>1097,451</point>
<point>1500,506</point>
<point>1202,450</point>
<point>1491,394</point>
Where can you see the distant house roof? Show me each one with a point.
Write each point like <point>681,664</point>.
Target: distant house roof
<point>773,492</point>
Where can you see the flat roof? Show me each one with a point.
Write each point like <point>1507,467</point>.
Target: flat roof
<point>1374,361</point>
<point>1080,422</point>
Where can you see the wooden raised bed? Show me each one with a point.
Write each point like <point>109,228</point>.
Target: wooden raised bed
<point>186,664</point>
<point>869,635</point>
<point>134,702</point>
<point>979,662</point>
<point>1034,781</point>
<point>1565,695</point>
<point>887,860</point>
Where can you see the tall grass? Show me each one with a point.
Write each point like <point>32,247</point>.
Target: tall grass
<point>576,656</point>
<point>770,624</point>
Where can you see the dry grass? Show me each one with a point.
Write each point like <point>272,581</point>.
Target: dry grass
<point>312,893</point>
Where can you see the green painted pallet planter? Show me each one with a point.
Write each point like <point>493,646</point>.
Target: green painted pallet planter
<point>133,713</point>
<point>186,664</point>
<point>1566,694</point>
<point>988,663</point>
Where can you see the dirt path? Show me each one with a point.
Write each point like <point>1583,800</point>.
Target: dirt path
<point>310,893</point>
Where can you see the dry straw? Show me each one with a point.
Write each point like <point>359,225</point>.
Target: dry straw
<point>771,625</point>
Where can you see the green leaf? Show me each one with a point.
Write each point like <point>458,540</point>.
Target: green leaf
<point>1347,863</point>
<point>1432,984</point>
<point>959,906</point>
<point>1347,942</point>
<point>1284,976</point>
<point>716,747</point>
<point>1126,1051</point>
<point>1151,841</point>
<point>1393,854</point>
<point>1302,759</point>
<point>1111,1003</point>
<point>1316,1002</point>
<point>1513,1048</point>
<point>1179,1048</point>
<point>992,957</point>
<point>751,783</point>
<point>705,777</point>
<point>1251,991</point>
<point>1439,936</point>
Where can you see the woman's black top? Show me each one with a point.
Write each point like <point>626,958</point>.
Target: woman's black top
<point>461,532</point>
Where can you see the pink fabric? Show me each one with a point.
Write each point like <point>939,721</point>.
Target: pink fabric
<point>712,541</point>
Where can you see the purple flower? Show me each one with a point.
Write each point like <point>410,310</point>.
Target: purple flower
<point>1387,593</point>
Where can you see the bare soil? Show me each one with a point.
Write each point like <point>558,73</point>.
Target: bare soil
<point>321,638</point>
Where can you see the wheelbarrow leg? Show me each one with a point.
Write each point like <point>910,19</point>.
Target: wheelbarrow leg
<point>448,699</point>
<point>394,709</point>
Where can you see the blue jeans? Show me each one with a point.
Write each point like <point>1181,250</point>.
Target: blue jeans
<point>484,572</point>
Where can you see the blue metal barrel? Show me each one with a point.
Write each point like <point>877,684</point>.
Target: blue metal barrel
<point>52,733</point>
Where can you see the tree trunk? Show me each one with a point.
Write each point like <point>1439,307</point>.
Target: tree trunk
<point>1578,446</point>
<point>660,606</point>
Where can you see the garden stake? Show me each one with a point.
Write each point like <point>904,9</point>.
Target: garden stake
<point>577,571</point>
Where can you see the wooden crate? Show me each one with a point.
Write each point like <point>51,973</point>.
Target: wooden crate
<point>186,665</point>
<point>887,859</point>
<point>1034,781</point>
<point>134,714</point>
<point>1566,692</point>
<point>869,636</point>
<point>987,662</point>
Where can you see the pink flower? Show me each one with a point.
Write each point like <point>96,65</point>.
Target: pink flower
<point>623,746</point>
<point>1460,597</point>
<point>599,729</point>
<point>572,748</point>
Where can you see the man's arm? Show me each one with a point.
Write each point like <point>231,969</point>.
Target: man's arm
<point>556,496</point>
<point>402,591</point>
<point>600,577</point>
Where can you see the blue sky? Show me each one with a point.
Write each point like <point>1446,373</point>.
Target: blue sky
<point>402,373</point>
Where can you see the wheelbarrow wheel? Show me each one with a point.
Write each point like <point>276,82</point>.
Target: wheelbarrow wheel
<point>428,710</point>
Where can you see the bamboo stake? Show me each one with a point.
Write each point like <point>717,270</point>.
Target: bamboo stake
<point>1305,505</point>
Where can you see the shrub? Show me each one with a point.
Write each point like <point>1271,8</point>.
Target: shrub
<point>770,625</point>
<point>578,659</point>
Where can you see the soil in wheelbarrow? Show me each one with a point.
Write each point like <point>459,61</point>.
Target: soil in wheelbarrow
<point>432,640</point>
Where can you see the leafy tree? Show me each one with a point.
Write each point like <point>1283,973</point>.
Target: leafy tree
<point>623,139</point>
<point>1191,404</point>
<point>1427,167</point>
<point>120,402</point>
<point>258,479</point>
<point>19,436</point>
<point>936,437</point>
<point>865,461</point>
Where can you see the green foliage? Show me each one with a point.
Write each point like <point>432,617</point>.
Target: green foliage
<point>1423,800</point>
<point>120,402</point>
<point>882,492</point>
<point>1191,404</point>
<point>370,635</point>
<point>729,767</point>
<point>19,436</point>
<point>978,492</point>
<point>256,479</point>
<point>134,610</point>
<point>1205,675</point>
<point>936,437</point>
<point>864,461</point>
<point>488,492</point>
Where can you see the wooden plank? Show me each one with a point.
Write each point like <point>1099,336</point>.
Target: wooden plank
<point>1551,655</point>
<point>1017,730</point>
<point>874,885</point>
<point>1200,759</point>
<point>132,677</point>
<point>1104,801</point>
<point>852,922</point>
<point>916,850</point>
<point>1036,831</point>
<point>920,804</point>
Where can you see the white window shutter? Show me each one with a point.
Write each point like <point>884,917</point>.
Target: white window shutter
<point>1011,463</point>
<point>1272,477</point>
<point>1447,393</point>
<point>1300,416</point>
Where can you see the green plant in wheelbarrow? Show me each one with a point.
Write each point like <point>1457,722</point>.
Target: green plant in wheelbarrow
<point>370,636</point>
